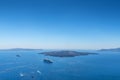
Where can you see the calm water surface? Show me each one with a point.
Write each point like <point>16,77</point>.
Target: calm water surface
<point>30,66</point>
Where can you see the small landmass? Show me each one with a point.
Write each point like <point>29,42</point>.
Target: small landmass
<point>113,50</point>
<point>48,61</point>
<point>18,55</point>
<point>66,53</point>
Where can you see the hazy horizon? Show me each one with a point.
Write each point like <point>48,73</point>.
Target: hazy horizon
<point>58,48</point>
<point>61,24</point>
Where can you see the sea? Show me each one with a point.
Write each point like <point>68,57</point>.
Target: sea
<point>30,66</point>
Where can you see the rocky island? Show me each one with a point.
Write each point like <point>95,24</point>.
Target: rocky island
<point>112,49</point>
<point>66,53</point>
<point>48,61</point>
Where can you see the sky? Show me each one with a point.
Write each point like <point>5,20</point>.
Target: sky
<point>60,24</point>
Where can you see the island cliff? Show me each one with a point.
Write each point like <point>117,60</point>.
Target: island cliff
<point>66,53</point>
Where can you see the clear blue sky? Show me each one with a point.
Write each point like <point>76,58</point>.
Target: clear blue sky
<point>60,24</point>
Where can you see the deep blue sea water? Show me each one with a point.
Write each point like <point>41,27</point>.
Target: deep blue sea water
<point>30,66</point>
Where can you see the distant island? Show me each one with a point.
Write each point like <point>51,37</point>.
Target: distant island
<point>66,53</point>
<point>113,49</point>
<point>20,49</point>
